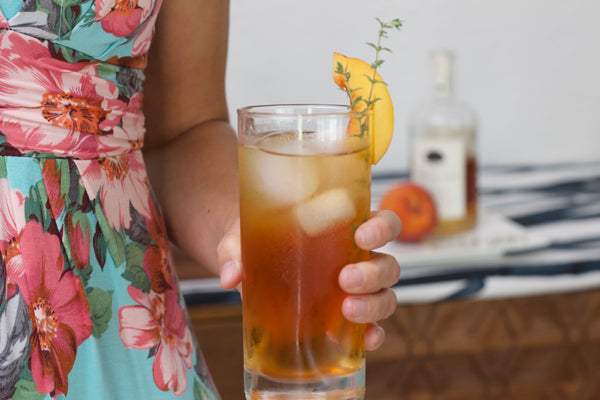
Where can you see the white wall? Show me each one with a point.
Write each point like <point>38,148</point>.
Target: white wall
<point>531,68</point>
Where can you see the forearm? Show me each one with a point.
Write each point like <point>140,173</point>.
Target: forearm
<point>195,179</point>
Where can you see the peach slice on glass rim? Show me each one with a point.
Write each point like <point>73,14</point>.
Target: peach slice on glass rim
<point>360,86</point>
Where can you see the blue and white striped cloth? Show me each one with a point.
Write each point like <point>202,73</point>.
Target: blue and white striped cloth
<point>555,213</point>
<point>538,232</point>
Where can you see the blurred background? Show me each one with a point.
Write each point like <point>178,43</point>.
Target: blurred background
<point>530,69</point>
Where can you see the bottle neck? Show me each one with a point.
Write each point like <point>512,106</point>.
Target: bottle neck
<point>443,92</point>
<point>443,79</point>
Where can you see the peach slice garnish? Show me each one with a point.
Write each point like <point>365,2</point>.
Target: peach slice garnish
<point>382,109</point>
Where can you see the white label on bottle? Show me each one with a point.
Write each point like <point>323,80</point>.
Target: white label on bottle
<point>439,165</point>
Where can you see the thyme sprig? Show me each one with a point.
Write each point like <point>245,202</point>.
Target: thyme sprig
<point>341,69</point>
<point>360,104</point>
<point>384,26</point>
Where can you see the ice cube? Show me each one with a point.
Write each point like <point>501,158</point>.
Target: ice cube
<point>285,180</point>
<point>346,170</point>
<point>324,211</point>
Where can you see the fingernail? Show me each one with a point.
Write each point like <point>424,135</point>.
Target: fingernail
<point>354,277</point>
<point>229,272</point>
<point>367,236</point>
<point>380,336</point>
<point>359,308</point>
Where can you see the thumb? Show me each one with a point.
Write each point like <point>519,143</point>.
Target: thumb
<point>229,256</point>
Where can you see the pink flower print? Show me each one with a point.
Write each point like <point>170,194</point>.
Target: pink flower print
<point>58,308</point>
<point>29,138</point>
<point>141,43</point>
<point>81,110</point>
<point>79,238</point>
<point>122,17</point>
<point>52,177</point>
<point>3,22</point>
<point>157,266</point>
<point>132,122</point>
<point>159,323</point>
<point>67,106</point>
<point>157,257</point>
<point>86,108</point>
<point>12,222</point>
<point>121,182</point>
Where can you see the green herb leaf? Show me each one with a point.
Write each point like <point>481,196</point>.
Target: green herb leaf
<point>340,69</point>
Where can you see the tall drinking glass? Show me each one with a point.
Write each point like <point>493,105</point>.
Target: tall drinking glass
<point>305,179</point>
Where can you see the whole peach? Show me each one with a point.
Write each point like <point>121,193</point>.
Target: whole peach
<point>415,207</point>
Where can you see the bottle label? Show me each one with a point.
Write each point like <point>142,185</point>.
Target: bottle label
<point>439,165</point>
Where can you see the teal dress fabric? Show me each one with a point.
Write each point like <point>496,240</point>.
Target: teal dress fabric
<point>89,301</point>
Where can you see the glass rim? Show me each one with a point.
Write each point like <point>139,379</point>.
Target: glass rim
<point>300,109</point>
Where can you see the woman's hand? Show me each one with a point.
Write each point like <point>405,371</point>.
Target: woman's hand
<point>367,283</point>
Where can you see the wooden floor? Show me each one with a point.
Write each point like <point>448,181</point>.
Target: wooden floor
<point>545,348</point>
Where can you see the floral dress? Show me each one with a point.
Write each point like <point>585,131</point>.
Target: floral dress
<point>89,300</point>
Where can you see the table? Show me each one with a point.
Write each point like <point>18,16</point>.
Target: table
<point>514,319</point>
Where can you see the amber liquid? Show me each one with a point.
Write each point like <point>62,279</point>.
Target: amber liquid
<point>450,226</point>
<point>293,325</point>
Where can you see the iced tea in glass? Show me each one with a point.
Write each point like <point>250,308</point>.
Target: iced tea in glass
<point>305,178</point>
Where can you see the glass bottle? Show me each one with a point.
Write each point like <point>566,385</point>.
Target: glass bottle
<point>444,156</point>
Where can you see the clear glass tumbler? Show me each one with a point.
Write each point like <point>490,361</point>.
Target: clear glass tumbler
<point>305,179</point>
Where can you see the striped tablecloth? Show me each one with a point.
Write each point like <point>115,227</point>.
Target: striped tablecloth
<point>552,243</point>
<point>538,232</point>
